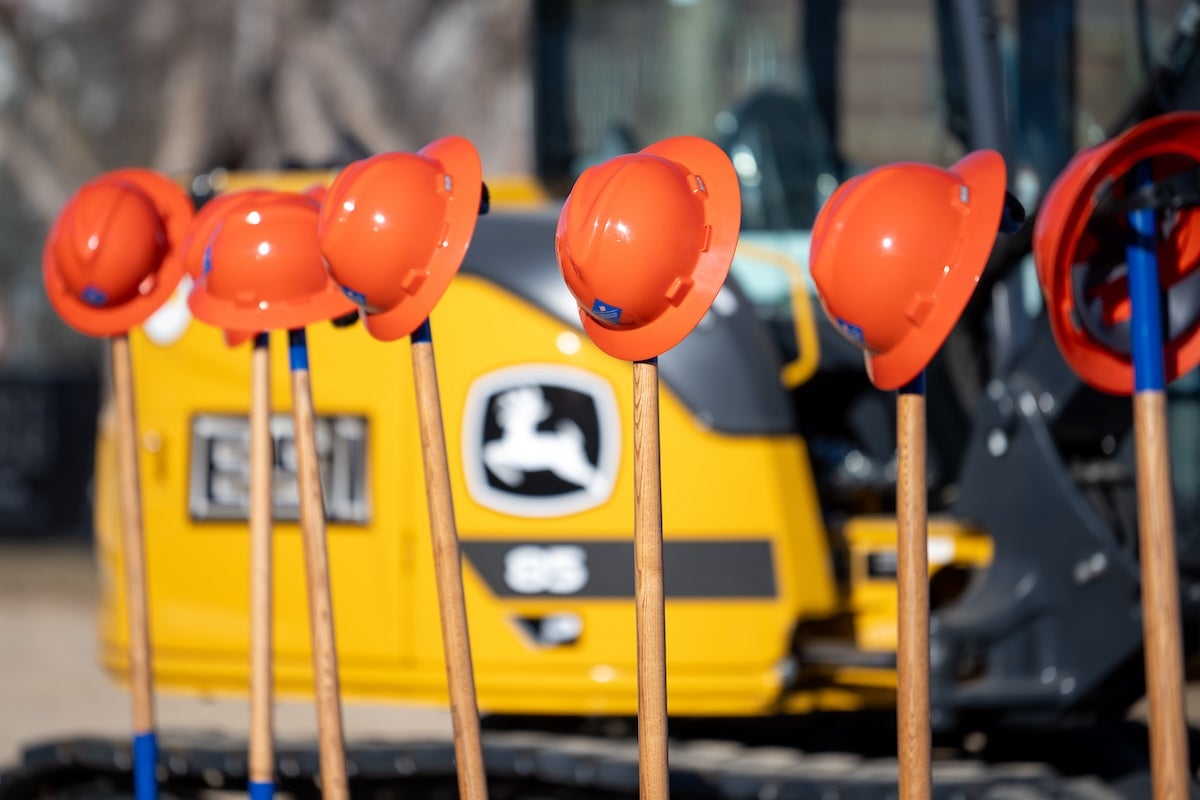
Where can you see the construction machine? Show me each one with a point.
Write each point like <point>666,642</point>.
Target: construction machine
<point>778,473</point>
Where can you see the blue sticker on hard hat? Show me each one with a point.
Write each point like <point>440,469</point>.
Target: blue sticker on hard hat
<point>93,295</point>
<point>357,297</point>
<point>606,311</point>
<point>850,331</point>
<point>207,261</point>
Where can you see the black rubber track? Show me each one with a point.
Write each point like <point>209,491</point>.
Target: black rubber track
<point>525,765</point>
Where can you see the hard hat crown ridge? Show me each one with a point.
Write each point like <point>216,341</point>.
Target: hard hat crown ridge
<point>897,252</point>
<point>645,241</point>
<point>394,229</point>
<point>112,256</point>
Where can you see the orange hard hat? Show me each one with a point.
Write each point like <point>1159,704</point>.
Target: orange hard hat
<point>112,256</point>
<point>1079,248</point>
<point>897,252</point>
<point>645,241</point>
<point>205,221</point>
<point>200,231</point>
<point>395,227</point>
<point>263,270</point>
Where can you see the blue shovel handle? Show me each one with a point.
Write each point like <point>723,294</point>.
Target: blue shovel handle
<point>1141,258</point>
<point>1156,519</point>
<point>145,766</point>
<point>298,350</point>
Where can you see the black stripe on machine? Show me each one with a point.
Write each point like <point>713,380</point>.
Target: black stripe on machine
<point>697,568</point>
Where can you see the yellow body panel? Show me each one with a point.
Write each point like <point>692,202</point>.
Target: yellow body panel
<point>873,598</point>
<point>725,656</point>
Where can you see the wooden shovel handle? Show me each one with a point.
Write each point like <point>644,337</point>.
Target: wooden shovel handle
<point>447,563</point>
<point>912,585</point>
<point>330,738</point>
<point>1156,517</point>
<point>262,751</point>
<point>141,681</point>
<point>1160,599</point>
<point>648,591</point>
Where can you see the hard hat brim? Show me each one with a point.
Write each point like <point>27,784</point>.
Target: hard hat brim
<point>175,209</point>
<point>1056,206</point>
<point>237,338</point>
<point>394,324</point>
<point>983,173</point>
<point>1070,203</point>
<point>723,214</point>
<point>460,162</point>
<point>1095,365</point>
<point>325,305</point>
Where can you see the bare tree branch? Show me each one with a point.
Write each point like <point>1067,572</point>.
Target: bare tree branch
<point>307,134</point>
<point>359,106</point>
<point>40,182</point>
<point>185,136</point>
<point>57,127</point>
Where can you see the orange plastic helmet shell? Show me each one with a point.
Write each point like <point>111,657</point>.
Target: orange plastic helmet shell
<point>200,231</point>
<point>263,269</point>
<point>1080,256</point>
<point>113,254</point>
<point>896,253</point>
<point>645,242</point>
<point>205,222</point>
<point>395,228</point>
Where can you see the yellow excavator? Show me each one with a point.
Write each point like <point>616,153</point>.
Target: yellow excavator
<point>777,454</point>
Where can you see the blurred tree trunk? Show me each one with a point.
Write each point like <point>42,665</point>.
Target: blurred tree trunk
<point>252,84</point>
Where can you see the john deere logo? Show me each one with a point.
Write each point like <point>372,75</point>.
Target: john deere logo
<point>540,440</point>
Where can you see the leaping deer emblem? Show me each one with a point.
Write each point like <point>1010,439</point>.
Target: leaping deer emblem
<point>522,448</point>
